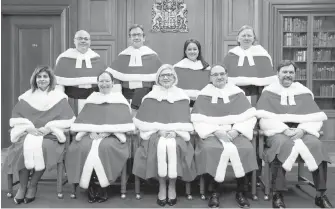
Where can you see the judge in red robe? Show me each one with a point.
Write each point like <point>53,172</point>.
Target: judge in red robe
<point>100,146</point>
<point>38,122</point>
<point>224,120</point>
<point>164,124</point>
<point>249,66</point>
<point>291,120</point>
<point>135,68</point>
<point>77,69</point>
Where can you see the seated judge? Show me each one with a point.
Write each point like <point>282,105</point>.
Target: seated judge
<point>164,123</point>
<point>99,151</point>
<point>224,120</point>
<point>291,120</point>
<point>38,122</point>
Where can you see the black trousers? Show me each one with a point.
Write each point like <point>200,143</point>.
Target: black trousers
<point>242,184</point>
<point>279,180</point>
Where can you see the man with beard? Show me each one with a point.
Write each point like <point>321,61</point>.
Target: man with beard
<point>291,120</point>
<point>77,78</point>
<point>135,68</point>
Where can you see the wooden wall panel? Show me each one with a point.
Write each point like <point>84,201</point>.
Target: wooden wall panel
<point>106,49</point>
<point>103,17</point>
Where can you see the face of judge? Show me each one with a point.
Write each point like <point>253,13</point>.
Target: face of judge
<point>246,38</point>
<point>192,51</point>
<point>43,80</point>
<point>82,41</point>
<point>218,77</point>
<point>166,78</point>
<point>286,75</point>
<point>136,37</point>
<point>105,83</point>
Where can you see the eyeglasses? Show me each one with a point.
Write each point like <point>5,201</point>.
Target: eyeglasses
<point>169,75</point>
<point>82,38</point>
<point>217,74</point>
<point>133,35</point>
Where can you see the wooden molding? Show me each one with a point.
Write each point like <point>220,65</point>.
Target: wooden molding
<point>208,31</point>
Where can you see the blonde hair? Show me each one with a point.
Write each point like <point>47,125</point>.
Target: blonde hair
<point>164,67</point>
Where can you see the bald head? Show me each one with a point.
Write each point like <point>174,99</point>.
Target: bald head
<point>82,41</point>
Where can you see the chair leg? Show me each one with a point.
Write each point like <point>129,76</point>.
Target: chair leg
<point>124,182</point>
<point>188,190</point>
<point>202,187</point>
<point>254,185</point>
<point>267,181</point>
<point>137,187</point>
<point>10,186</point>
<point>60,167</point>
<point>301,178</point>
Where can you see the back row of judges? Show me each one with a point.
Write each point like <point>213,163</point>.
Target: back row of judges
<point>139,95</point>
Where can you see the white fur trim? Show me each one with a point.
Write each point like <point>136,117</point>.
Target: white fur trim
<point>189,64</point>
<point>184,134</point>
<point>146,126</point>
<point>77,127</point>
<point>224,120</point>
<point>132,77</point>
<point>204,130</point>
<point>33,152</point>
<point>121,136</point>
<point>76,81</point>
<point>272,126</point>
<point>296,88</point>
<point>59,134</point>
<point>245,81</point>
<point>229,90</point>
<point>62,124</point>
<point>191,93</point>
<point>306,155</point>
<point>171,148</point>
<point>293,118</point>
<point>311,127</point>
<point>144,50</point>
<point>42,100</point>
<point>114,97</point>
<point>80,135</point>
<point>161,157</point>
<point>145,135</point>
<point>290,160</point>
<point>73,53</point>
<point>222,166</point>
<point>172,94</point>
<point>251,52</point>
<point>235,160</point>
<point>20,125</point>
<point>246,128</point>
<point>93,162</point>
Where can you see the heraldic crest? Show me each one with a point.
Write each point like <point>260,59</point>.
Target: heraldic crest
<point>169,16</point>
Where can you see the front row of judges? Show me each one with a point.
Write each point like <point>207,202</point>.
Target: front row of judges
<point>222,117</point>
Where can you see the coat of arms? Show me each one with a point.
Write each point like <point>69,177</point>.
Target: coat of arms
<point>169,16</point>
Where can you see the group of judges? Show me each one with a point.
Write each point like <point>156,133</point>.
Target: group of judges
<point>191,118</point>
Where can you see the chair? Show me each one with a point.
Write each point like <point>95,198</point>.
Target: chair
<point>123,177</point>
<point>59,180</point>
<point>266,182</point>
<point>253,177</point>
<point>136,143</point>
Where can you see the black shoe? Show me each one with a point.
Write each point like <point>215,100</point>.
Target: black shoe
<point>28,200</point>
<point>103,195</point>
<point>278,201</point>
<point>91,194</point>
<point>161,203</point>
<point>18,201</point>
<point>241,200</point>
<point>323,202</point>
<point>214,201</point>
<point>172,202</point>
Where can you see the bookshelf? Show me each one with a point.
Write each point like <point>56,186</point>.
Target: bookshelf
<point>308,38</point>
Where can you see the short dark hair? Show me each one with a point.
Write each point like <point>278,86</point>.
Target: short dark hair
<point>196,42</point>
<point>136,26</point>
<point>108,73</point>
<point>245,27</point>
<point>39,69</point>
<point>285,63</point>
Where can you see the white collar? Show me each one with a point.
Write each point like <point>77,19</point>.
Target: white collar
<point>187,63</point>
<point>296,88</point>
<point>114,97</point>
<point>251,52</point>
<point>229,90</point>
<point>136,54</point>
<point>42,100</point>
<point>75,54</point>
<point>172,94</point>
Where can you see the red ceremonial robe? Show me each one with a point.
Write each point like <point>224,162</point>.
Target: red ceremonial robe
<point>35,110</point>
<point>279,105</point>
<point>223,109</point>
<point>136,70</point>
<point>192,77</point>
<point>164,110</point>
<point>107,154</point>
